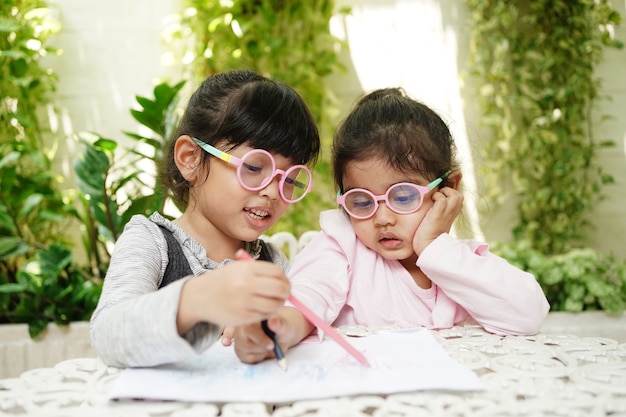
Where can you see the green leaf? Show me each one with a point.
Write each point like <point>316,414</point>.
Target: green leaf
<point>55,259</point>
<point>153,122</point>
<point>164,94</point>
<point>91,169</point>
<point>9,159</point>
<point>31,202</point>
<point>12,288</point>
<point>154,143</point>
<point>19,67</point>
<point>8,25</point>
<point>36,327</point>
<point>11,246</point>
<point>103,144</point>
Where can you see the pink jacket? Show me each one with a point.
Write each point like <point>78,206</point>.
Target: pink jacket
<point>346,283</point>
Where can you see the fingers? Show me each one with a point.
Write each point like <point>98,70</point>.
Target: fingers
<point>252,345</point>
<point>228,334</point>
<point>264,291</point>
<point>447,205</point>
<point>240,293</point>
<point>449,195</point>
<point>263,278</point>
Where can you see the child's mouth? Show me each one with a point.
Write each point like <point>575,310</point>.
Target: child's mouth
<point>390,242</point>
<point>257,214</point>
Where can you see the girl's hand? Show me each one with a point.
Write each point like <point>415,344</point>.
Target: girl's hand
<point>236,294</point>
<point>447,205</point>
<point>252,345</point>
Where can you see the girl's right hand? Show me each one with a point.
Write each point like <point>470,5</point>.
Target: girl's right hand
<point>236,294</point>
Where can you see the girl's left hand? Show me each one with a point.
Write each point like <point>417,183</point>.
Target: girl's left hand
<point>447,205</point>
<point>253,345</point>
<point>228,333</point>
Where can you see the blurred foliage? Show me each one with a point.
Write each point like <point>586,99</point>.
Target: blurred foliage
<point>581,279</point>
<point>49,287</point>
<point>535,63</point>
<point>286,40</point>
<point>25,27</point>
<point>38,281</point>
<point>116,184</point>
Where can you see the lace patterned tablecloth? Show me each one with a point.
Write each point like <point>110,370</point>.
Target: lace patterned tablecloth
<point>542,375</point>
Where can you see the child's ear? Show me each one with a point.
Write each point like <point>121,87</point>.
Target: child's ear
<point>187,157</point>
<point>454,180</point>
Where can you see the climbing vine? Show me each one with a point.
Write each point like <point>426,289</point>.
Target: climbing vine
<point>535,64</point>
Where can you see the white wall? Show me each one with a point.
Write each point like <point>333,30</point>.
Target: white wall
<point>113,52</point>
<point>417,45</point>
<point>609,217</point>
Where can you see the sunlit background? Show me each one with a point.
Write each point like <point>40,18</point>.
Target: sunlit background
<point>113,52</point>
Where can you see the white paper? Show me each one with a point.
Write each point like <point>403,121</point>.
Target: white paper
<point>399,362</point>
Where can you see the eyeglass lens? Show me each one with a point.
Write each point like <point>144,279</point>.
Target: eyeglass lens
<point>403,198</point>
<point>258,169</point>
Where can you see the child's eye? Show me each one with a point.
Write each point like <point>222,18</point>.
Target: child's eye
<point>403,199</point>
<point>361,203</point>
<point>404,196</point>
<point>252,168</point>
<point>294,183</point>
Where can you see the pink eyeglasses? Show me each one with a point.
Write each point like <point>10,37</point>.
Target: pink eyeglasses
<point>402,198</point>
<point>257,168</point>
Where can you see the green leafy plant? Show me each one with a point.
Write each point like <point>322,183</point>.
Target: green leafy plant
<point>116,184</point>
<point>38,281</point>
<point>49,287</point>
<point>581,279</point>
<point>30,204</point>
<point>535,63</point>
<point>286,40</point>
<point>25,27</point>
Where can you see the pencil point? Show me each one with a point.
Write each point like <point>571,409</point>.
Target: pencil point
<point>283,364</point>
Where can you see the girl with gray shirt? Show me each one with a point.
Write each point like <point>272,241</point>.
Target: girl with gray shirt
<point>236,162</point>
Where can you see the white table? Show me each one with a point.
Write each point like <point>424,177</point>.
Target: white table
<point>543,375</point>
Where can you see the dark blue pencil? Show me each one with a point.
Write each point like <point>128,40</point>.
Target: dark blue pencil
<point>278,352</point>
<point>242,255</point>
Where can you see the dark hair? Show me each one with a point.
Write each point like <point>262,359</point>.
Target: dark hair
<point>240,107</point>
<point>405,133</point>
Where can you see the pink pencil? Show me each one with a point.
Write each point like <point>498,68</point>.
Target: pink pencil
<point>328,330</point>
<point>313,318</point>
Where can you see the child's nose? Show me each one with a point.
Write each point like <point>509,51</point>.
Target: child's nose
<point>383,215</point>
<point>272,189</point>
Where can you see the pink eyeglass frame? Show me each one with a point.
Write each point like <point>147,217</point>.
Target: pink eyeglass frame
<point>238,162</point>
<point>423,190</point>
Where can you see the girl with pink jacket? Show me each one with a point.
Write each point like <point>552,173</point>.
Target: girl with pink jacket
<point>386,257</point>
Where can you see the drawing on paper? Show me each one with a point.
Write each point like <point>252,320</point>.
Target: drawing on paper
<point>399,362</point>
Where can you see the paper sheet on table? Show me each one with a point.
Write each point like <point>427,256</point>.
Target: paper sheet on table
<point>400,362</point>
